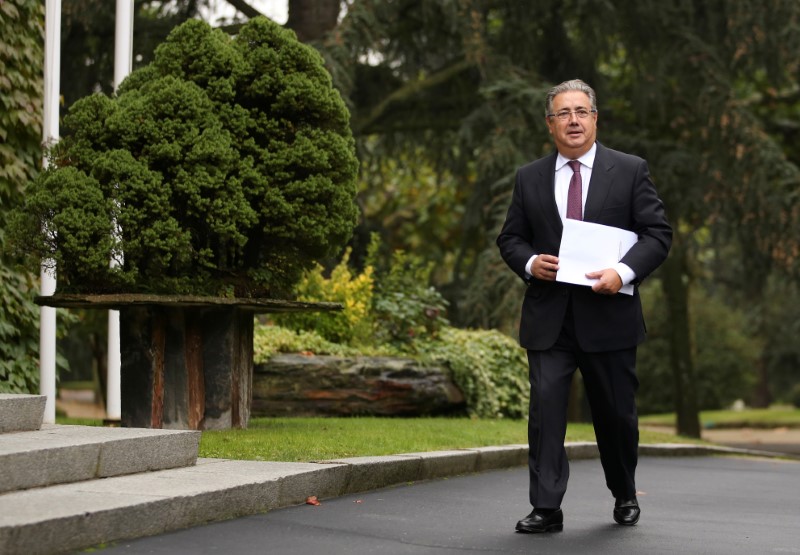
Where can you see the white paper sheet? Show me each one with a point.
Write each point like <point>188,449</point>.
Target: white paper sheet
<point>589,247</point>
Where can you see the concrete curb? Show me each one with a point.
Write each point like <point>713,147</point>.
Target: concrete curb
<point>67,517</point>
<point>692,450</point>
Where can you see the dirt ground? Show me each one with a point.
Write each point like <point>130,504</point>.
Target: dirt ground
<point>779,440</point>
<point>80,408</point>
<point>783,440</point>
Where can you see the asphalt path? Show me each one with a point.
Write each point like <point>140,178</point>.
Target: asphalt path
<point>705,505</point>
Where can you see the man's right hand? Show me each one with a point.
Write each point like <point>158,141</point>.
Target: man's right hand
<point>544,267</point>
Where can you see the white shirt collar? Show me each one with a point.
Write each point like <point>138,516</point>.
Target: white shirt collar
<point>587,159</point>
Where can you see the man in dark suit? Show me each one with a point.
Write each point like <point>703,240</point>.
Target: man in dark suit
<point>564,326</point>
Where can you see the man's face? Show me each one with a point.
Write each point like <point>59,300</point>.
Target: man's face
<point>573,136</point>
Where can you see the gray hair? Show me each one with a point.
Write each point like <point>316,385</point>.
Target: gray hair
<point>571,85</point>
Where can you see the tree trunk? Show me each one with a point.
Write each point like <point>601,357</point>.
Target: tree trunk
<point>187,368</point>
<point>755,290</point>
<point>762,396</point>
<point>311,19</point>
<point>675,284</point>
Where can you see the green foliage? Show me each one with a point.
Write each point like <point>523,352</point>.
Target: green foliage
<point>781,324</point>
<point>21,86</point>
<point>351,326</point>
<point>389,303</point>
<point>19,334</point>
<point>707,95</point>
<point>405,306</point>
<point>269,340</point>
<point>486,365</point>
<point>417,206</point>
<point>725,354</point>
<point>403,314</point>
<point>87,44</point>
<point>489,368</point>
<point>228,165</point>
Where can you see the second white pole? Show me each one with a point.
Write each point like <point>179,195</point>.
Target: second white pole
<point>123,62</point>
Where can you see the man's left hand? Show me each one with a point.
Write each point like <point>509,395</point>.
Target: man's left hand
<point>608,281</point>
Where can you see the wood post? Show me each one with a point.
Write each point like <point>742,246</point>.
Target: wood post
<point>186,367</point>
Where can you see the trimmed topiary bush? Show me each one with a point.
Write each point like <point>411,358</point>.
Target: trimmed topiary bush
<point>227,163</point>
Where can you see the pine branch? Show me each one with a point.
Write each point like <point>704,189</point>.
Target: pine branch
<point>784,97</point>
<point>409,90</point>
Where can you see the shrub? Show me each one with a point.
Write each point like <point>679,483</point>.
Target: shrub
<point>269,340</point>
<point>394,310</point>
<point>405,306</point>
<point>19,334</point>
<point>352,325</point>
<point>489,367</point>
<point>21,88</point>
<point>391,306</point>
<point>228,164</point>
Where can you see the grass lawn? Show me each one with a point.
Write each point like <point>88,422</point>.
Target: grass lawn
<point>314,439</point>
<point>777,417</point>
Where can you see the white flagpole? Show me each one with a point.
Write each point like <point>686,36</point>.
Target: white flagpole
<point>50,131</point>
<point>123,62</point>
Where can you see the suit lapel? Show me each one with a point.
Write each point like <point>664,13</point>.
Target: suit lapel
<point>599,184</point>
<point>547,194</point>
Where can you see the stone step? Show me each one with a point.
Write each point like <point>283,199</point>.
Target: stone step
<point>68,517</point>
<point>20,413</point>
<point>61,454</point>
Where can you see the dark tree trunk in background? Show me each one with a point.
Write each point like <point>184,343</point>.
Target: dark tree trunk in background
<point>762,396</point>
<point>755,290</point>
<point>675,284</point>
<point>311,19</point>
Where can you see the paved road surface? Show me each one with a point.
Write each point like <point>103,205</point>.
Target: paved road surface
<point>711,505</point>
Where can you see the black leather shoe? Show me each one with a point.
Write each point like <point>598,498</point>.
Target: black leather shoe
<point>626,512</point>
<point>542,521</point>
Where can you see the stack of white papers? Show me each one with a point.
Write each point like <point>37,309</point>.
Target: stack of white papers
<point>589,247</point>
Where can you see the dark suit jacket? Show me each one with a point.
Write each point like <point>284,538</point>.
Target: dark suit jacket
<point>621,194</point>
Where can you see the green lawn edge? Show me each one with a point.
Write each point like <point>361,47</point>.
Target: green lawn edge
<point>319,439</point>
<point>303,439</point>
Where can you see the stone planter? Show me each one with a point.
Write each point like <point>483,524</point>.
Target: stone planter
<point>187,362</point>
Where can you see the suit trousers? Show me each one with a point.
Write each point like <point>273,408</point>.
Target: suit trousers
<point>610,383</point>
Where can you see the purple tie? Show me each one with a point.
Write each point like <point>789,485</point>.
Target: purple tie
<point>575,194</point>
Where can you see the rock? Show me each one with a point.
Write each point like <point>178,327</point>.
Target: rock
<point>300,385</point>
